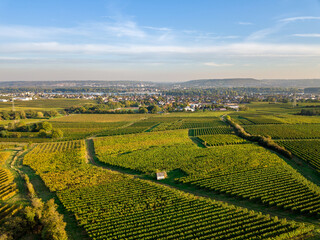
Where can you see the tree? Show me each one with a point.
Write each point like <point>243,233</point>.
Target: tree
<point>39,115</point>
<point>52,113</point>
<point>57,133</point>
<point>42,133</point>
<point>153,109</point>
<point>15,135</point>
<point>143,110</point>
<point>100,100</point>
<point>4,133</point>
<point>22,127</point>
<point>53,224</point>
<point>46,126</point>
<point>5,115</point>
<point>23,114</point>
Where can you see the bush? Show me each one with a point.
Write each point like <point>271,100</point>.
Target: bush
<point>4,133</point>
<point>42,133</point>
<point>57,133</point>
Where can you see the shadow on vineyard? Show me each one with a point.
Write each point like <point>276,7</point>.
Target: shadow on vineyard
<point>197,141</point>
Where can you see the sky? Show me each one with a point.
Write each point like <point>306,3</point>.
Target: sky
<point>159,40</point>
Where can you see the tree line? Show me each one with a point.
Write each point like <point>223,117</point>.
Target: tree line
<point>16,115</point>
<point>44,130</point>
<point>261,140</point>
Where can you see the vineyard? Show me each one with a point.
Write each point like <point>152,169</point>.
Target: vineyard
<point>112,205</point>
<point>174,150</point>
<point>221,139</point>
<point>256,119</point>
<point>78,130</point>
<point>7,186</point>
<point>187,123</point>
<point>286,131</point>
<point>270,185</point>
<point>7,189</point>
<point>308,150</point>
<point>7,210</point>
<point>136,209</point>
<point>210,131</point>
<point>115,206</point>
<point>63,165</point>
<point>245,170</point>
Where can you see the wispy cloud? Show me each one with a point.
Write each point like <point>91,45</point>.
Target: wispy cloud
<point>302,18</point>
<point>120,29</point>
<point>307,35</point>
<point>90,30</point>
<point>213,64</point>
<point>263,33</point>
<point>27,32</point>
<point>240,49</point>
<point>279,25</point>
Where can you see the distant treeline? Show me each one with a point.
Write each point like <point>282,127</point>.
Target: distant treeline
<point>168,91</point>
<point>110,107</point>
<point>16,115</point>
<point>223,91</point>
<point>43,129</point>
<point>310,112</point>
<point>314,90</point>
<point>61,90</point>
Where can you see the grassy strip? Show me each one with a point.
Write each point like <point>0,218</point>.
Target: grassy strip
<point>261,140</point>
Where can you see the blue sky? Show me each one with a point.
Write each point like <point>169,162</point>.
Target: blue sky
<point>157,40</point>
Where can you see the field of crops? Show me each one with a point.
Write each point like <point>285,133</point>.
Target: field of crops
<point>270,185</point>
<point>221,139</point>
<point>78,130</point>
<point>110,205</point>
<point>101,118</point>
<point>136,209</point>
<point>210,131</point>
<point>245,170</point>
<point>187,123</point>
<point>308,150</point>
<point>117,206</point>
<point>123,145</point>
<point>256,119</point>
<point>63,165</point>
<point>7,210</point>
<point>7,186</point>
<point>286,131</point>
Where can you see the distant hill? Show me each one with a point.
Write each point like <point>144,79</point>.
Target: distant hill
<point>201,83</point>
<point>74,83</point>
<point>227,82</point>
<point>250,82</point>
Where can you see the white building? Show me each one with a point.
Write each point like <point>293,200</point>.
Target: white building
<point>189,109</point>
